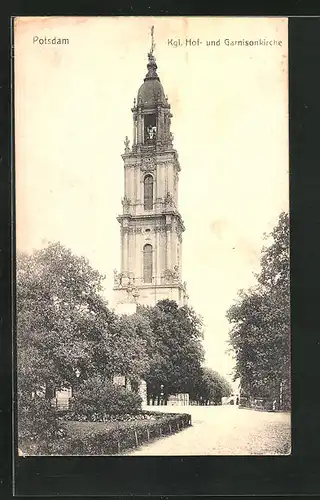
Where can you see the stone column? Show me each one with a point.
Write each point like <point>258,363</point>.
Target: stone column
<point>139,264</point>
<point>142,191</point>
<point>159,127</point>
<point>134,129</point>
<point>133,252</point>
<point>122,249</point>
<point>169,248</point>
<point>125,249</point>
<point>139,128</point>
<point>166,186</point>
<point>163,132</point>
<point>131,187</point>
<point>158,249</point>
<point>131,247</point>
<point>175,185</point>
<point>138,185</point>
<point>158,181</point>
<point>166,125</point>
<point>135,185</point>
<point>180,257</point>
<point>125,181</point>
<point>170,174</point>
<point>174,248</point>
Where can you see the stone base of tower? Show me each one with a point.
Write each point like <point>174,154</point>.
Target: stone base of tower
<point>125,307</point>
<point>148,295</point>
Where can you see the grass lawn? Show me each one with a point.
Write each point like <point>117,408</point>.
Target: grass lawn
<point>108,438</point>
<point>81,429</point>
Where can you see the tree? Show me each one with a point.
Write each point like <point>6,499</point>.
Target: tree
<point>128,349</point>
<point>97,399</point>
<point>260,322</point>
<point>175,350</point>
<point>64,328</point>
<point>223,388</point>
<point>211,387</point>
<point>64,325</point>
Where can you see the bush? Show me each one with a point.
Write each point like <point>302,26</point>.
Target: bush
<point>38,425</point>
<point>106,417</point>
<point>124,436</point>
<point>96,398</point>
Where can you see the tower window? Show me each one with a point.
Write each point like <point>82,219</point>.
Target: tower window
<point>148,192</point>
<point>150,128</point>
<point>147,263</point>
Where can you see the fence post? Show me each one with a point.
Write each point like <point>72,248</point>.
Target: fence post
<point>119,448</point>
<point>148,434</point>
<point>136,436</point>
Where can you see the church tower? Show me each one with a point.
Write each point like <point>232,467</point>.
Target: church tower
<point>151,226</point>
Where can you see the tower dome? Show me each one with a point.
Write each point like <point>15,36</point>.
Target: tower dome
<point>151,91</point>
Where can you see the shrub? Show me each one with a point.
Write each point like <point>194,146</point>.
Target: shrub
<point>124,436</point>
<point>106,417</point>
<point>96,398</point>
<point>38,425</point>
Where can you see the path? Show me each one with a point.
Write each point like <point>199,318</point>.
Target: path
<point>224,430</point>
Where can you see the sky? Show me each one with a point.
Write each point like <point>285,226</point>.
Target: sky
<point>230,125</point>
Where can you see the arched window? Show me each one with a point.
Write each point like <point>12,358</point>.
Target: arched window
<point>147,263</point>
<point>148,192</point>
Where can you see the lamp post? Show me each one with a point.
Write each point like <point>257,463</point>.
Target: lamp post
<point>77,373</point>
<point>161,394</point>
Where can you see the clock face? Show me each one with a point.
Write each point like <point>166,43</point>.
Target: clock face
<point>148,164</point>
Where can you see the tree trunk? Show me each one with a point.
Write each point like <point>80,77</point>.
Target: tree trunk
<point>49,391</point>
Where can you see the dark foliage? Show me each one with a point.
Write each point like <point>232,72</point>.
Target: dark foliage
<point>63,327</point>
<point>260,333</point>
<point>174,345</point>
<point>38,423</point>
<point>210,387</point>
<point>96,398</point>
<point>125,436</point>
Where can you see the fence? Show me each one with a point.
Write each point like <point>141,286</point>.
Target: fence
<point>60,404</point>
<point>261,404</point>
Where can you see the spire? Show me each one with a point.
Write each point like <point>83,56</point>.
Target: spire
<point>152,65</point>
<point>153,45</point>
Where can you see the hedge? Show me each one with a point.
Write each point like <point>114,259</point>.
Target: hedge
<point>125,436</point>
<point>108,417</point>
<point>95,396</point>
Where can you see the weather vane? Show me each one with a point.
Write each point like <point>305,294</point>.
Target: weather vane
<point>152,40</point>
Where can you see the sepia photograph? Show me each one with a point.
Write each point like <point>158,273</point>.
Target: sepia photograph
<point>152,236</point>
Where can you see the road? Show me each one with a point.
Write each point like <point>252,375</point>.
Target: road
<point>223,430</point>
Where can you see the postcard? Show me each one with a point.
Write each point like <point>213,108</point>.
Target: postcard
<point>152,236</point>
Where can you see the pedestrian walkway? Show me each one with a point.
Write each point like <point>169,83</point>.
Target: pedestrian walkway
<point>224,430</point>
